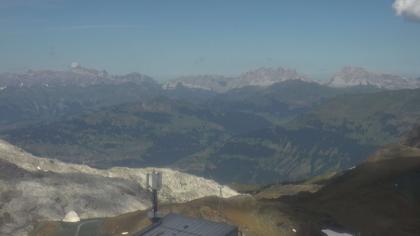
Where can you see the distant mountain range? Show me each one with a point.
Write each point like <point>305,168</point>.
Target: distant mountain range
<point>264,77</point>
<point>76,76</point>
<point>283,132</point>
<point>265,126</point>
<point>36,96</point>
<point>275,123</point>
<point>261,77</point>
<point>356,76</point>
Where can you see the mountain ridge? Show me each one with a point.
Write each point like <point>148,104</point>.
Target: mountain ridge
<point>34,189</point>
<point>348,76</point>
<point>357,76</point>
<point>75,76</point>
<point>260,77</point>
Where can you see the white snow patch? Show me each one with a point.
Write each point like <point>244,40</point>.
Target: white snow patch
<point>75,65</point>
<point>330,232</point>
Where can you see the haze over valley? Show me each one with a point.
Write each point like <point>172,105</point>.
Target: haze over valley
<point>212,118</point>
<point>275,123</point>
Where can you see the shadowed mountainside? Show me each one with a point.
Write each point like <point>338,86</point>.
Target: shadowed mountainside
<point>378,197</point>
<point>277,133</point>
<point>374,118</point>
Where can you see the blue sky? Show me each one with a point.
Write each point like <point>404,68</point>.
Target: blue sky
<point>179,37</point>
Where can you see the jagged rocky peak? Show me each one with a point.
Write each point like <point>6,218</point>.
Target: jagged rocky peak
<point>266,76</point>
<point>77,68</point>
<point>216,83</point>
<point>261,77</point>
<point>75,75</point>
<point>357,76</point>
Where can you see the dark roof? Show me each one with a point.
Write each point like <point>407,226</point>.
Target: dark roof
<point>178,225</point>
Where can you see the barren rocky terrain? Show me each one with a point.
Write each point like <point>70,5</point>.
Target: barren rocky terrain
<point>35,189</point>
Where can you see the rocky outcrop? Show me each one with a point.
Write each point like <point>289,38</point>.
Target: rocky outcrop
<point>261,77</point>
<point>75,76</point>
<point>356,76</point>
<point>34,189</point>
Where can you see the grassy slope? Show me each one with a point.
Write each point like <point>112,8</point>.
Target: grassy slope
<point>379,197</point>
<point>374,118</point>
<point>279,154</point>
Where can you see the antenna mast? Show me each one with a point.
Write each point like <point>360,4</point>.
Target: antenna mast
<point>219,207</point>
<point>154,183</point>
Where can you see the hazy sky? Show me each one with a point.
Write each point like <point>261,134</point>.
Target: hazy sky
<point>177,37</point>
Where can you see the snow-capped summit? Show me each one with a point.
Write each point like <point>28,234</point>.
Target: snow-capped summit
<point>74,65</point>
<point>357,76</point>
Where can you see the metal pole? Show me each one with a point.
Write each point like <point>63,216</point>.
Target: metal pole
<point>155,206</point>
